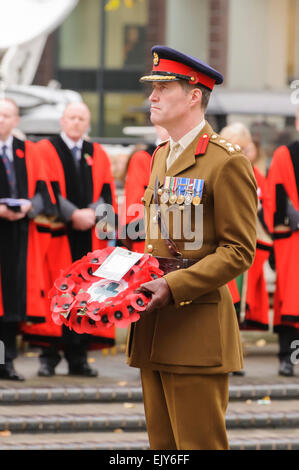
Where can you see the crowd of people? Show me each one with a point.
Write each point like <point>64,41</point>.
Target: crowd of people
<point>49,193</point>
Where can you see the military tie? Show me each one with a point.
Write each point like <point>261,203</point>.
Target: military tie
<point>174,154</point>
<point>10,171</point>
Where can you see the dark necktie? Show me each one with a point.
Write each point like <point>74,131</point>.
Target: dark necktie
<point>10,171</point>
<point>75,151</point>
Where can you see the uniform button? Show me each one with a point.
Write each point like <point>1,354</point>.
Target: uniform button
<point>182,304</point>
<point>142,199</point>
<point>159,191</point>
<point>214,136</point>
<point>150,248</point>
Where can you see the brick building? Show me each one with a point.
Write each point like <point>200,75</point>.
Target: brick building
<point>103,48</point>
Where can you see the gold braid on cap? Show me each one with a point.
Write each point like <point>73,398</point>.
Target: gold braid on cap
<point>155,78</point>
<point>165,76</point>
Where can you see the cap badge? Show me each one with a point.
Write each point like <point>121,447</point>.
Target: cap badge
<point>156,58</point>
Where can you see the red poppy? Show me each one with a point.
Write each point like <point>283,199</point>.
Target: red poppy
<point>64,284</point>
<point>57,318</point>
<point>98,256</point>
<point>62,303</point>
<point>89,325</point>
<point>82,299</point>
<point>20,153</point>
<point>87,270</point>
<point>75,322</point>
<point>93,310</point>
<point>105,321</point>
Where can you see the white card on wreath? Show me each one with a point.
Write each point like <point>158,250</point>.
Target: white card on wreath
<point>117,264</point>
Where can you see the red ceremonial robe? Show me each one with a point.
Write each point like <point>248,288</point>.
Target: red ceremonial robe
<point>254,283</point>
<point>283,184</point>
<point>23,243</point>
<point>137,179</point>
<point>95,183</point>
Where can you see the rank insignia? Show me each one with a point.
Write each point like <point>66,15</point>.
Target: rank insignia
<point>156,58</point>
<point>202,145</point>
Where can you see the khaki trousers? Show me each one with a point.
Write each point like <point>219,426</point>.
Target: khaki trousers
<point>185,412</point>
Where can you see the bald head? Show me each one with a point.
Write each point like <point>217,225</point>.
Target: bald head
<point>75,120</point>
<point>238,133</point>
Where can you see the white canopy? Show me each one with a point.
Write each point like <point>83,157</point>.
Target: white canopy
<point>25,20</point>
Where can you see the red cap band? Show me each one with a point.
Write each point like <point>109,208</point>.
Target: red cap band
<point>171,66</point>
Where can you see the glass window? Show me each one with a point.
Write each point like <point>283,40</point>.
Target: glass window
<point>119,113</point>
<point>125,36</point>
<point>79,37</point>
<point>92,101</point>
<point>187,26</point>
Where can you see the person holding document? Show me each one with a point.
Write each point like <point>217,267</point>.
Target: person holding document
<point>23,196</point>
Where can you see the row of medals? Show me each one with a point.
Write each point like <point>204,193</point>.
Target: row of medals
<point>187,191</point>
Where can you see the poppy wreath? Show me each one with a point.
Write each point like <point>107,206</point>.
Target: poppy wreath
<point>73,306</point>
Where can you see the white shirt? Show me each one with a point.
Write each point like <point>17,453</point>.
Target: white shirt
<point>177,148</point>
<point>71,143</point>
<point>9,149</point>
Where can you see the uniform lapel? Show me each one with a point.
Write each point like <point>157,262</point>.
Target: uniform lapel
<point>159,166</point>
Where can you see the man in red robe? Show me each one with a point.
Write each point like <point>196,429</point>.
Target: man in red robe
<point>82,183</point>
<point>282,217</point>
<point>23,196</point>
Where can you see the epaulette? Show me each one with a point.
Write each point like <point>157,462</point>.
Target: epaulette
<point>202,144</point>
<point>161,144</point>
<point>228,146</point>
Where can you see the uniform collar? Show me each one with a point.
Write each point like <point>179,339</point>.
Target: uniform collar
<point>186,140</point>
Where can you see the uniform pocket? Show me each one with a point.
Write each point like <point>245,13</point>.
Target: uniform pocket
<point>189,336</point>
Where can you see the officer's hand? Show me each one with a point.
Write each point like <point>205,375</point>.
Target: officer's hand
<point>83,219</point>
<point>161,294</point>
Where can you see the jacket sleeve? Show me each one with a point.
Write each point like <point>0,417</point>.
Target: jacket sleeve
<point>235,212</point>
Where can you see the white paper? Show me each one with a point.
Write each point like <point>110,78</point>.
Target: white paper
<point>117,264</point>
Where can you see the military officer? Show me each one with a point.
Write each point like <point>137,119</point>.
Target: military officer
<point>187,341</point>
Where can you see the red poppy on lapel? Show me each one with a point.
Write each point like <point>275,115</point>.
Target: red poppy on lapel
<point>20,153</point>
<point>88,159</point>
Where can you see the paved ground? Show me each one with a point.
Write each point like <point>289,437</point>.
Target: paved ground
<point>110,424</point>
<point>260,358</point>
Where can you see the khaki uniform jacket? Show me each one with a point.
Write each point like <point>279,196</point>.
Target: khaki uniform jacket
<point>199,332</point>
